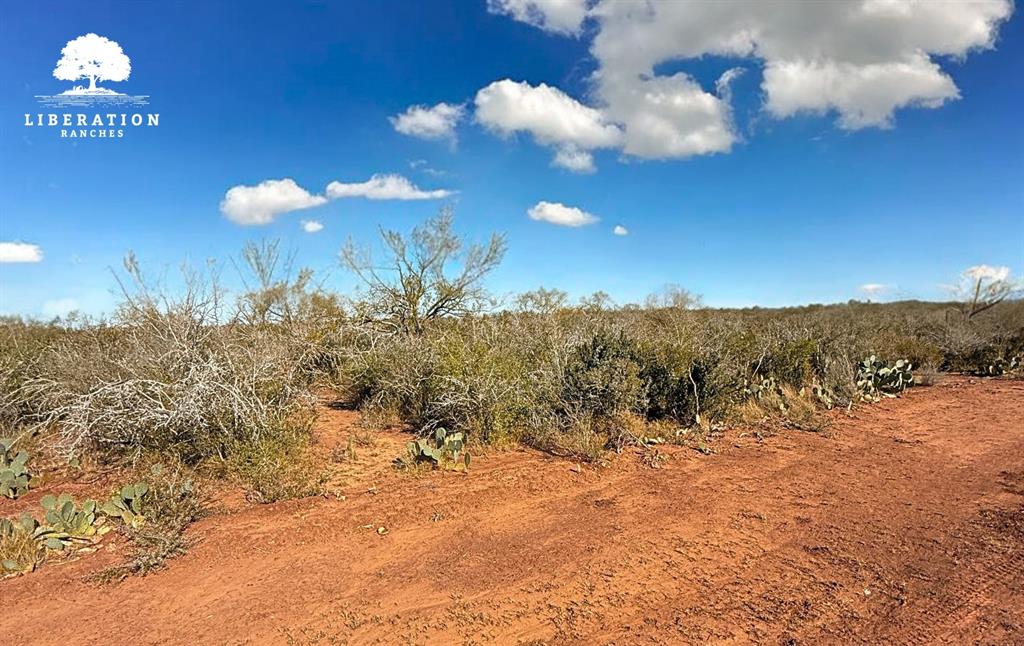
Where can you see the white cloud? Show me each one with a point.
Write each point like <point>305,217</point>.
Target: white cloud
<point>260,204</point>
<point>421,165</point>
<point>60,307</point>
<point>426,122</point>
<point>987,272</point>
<point>573,159</point>
<point>384,187</point>
<point>723,86</point>
<point>551,116</point>
<point>312,226</point>
<point>620,230</point>
<point>861,61</point>
<point>864,95</point>
<point>667,116</point>
<point>560,214</point>
<point>557,16</point>
<point>874,289</point>
<point>11,252</point>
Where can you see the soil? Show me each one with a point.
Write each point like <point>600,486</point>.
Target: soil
<point>902,523</point>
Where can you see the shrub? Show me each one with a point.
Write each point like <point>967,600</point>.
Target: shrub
<point>603,379</point>
<point>161,510</point>
<point>228,387</point>
<point>169,376</point>
<point>275,469</point>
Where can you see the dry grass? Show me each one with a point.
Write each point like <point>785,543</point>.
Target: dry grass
<point>19,552</point>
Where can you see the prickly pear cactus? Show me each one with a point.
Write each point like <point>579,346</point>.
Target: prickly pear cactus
<point>826,396</point>
<point>442,448</point>
<point>126,504</point>
<point>875,378</point>
<point>14,473</point>
<point>64,516</point>
<point>761,389</point>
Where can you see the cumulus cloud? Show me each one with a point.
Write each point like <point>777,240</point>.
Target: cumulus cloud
<point>384,187</point>
<point>620,230</point>
<point>551,116</point>
<point>668,116</point>
<point>260,204</point>
<point>11,252</point>
<point>861,61</point>
<point>557,16</point>
<point>560,214</point>
<point>429,122</point>
<point>863,95</point>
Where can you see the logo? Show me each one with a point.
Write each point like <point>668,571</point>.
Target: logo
<point>94,60</point>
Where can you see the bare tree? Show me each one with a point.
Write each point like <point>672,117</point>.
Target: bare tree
<point>983,287</point>
<point>430,275</point>
<point>596,302</point>
<point>542,301</point>
<point>673,296</point>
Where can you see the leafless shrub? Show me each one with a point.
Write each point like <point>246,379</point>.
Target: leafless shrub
<point>170,374</point>
<point>982,287</point>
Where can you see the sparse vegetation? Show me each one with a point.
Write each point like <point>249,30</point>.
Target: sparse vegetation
<point>154,515</point>
<point>225,387</point>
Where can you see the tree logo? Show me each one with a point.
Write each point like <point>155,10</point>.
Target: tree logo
<point>89,109</point>
<point>94,59</point>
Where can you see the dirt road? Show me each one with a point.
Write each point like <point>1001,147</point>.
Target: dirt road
<point>903,523</point>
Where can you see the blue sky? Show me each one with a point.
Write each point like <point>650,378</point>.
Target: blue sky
<point>789,190</point>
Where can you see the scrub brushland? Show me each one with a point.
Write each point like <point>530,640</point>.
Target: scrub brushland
<point>424,462</point>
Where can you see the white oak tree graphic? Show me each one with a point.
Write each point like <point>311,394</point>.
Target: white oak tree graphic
<point>95,58</point>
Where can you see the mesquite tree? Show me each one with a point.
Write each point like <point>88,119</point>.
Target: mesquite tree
<point>429,275</point>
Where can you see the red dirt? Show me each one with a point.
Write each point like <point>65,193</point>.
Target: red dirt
<point>904,523</point>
